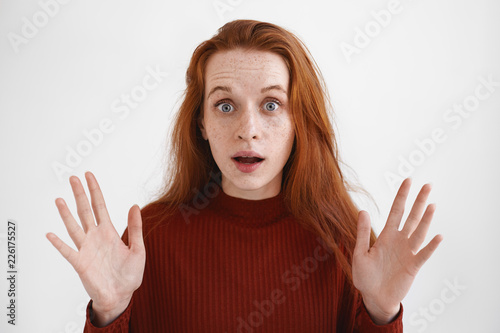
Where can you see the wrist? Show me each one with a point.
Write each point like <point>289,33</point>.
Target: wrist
<point>381,315</point>
<point>103,316</point>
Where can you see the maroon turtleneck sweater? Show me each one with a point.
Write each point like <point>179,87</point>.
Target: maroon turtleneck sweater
<point>237,265</point>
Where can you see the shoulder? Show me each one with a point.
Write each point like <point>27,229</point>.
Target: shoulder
<point>155,215</point>
<point>152,210</point>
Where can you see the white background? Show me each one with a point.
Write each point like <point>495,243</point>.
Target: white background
<point>65,77</point>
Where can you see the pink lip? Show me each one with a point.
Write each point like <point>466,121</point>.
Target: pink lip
<point>249,153</point>
<point>247,168</point>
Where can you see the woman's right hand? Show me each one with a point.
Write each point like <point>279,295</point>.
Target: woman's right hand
<point>109,269</point>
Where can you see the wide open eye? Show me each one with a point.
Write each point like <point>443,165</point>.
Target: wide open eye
<point>271,106</point>
<point>224,107</point>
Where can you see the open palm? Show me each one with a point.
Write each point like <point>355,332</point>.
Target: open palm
<point>384,272</point>
<point>109,269</point>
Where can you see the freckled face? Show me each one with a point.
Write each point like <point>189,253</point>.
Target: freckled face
<point>245,107</point>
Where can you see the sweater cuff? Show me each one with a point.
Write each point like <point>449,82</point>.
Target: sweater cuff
<point>366,324</point>
<point>120,324</point>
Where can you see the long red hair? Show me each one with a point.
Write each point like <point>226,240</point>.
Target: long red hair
<point>313,184</point>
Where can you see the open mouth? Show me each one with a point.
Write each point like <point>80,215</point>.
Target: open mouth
<point>248,160</point>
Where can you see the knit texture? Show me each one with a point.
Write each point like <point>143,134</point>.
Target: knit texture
<point>227,264</point>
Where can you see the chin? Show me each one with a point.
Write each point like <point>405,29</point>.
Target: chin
<point>238,183</point>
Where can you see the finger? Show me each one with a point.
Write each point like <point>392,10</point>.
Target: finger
<point>398,207</point>
<point>417,209</point>
<point>67,252</point>
<point>423,255</point>
<point>82,204</point>
<point>74,230</point>
<point>363,237</point>
<point>98,204</point>
<point>418,236</point>
<point>136,240</point>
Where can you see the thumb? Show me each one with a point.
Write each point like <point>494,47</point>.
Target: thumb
<point>135,228</point>
<point>363,235</point>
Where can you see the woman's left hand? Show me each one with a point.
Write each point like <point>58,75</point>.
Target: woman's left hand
<point>384,272</point>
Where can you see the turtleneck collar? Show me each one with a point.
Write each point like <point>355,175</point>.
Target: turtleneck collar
<point>249,212</point>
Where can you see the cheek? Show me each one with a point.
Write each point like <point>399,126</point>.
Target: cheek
<point>286,129</point>
<point>282,138</point>
<point>212,127</point>
<point>216,132</point>
<point>217,138</point>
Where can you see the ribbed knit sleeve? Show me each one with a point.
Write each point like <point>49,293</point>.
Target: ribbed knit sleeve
<point>119,325</point>
<point>364,323</point>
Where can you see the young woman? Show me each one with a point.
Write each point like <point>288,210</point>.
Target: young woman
<point>255,230</point>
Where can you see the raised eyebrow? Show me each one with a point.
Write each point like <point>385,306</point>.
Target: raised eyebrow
<point>263,90</point>
<point>214,89</point>
<point>273,87</point>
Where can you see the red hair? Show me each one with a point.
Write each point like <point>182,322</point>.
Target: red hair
<point>313,184</point>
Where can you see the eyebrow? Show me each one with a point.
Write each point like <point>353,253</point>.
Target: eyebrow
<point>263,90</point>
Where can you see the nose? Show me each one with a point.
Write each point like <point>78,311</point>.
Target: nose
<point>249,124</point>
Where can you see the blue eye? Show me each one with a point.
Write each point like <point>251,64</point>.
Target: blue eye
<point>226,107</point>
<point>272,108</point>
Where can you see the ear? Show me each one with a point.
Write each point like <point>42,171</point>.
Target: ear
<point>201,125</point>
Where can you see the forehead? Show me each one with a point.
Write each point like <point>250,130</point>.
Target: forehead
<point>245,66</point>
